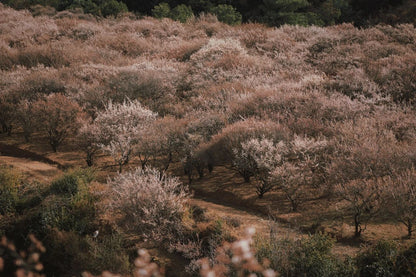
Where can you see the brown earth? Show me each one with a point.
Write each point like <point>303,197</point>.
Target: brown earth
<point>224,196</point>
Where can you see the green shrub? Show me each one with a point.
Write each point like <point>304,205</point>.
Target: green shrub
<point>71,181</point>
<point>112,8</point>
<point>87,6</point>
<point>31,195</point>
<point>161,11</point>
<point>76,214</point>
<point>227,14</point>
<point>181,13</point>
<point>378,260</point>
<point>73,209</point>
<point>276,251</point>
<point>307,257</point>
<point>10,182</point>
<point>67,184</point>
<point>312,257</point>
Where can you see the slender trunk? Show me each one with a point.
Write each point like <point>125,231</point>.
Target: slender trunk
<point>144,163</point>
<point>89,159</point>
<point>210,167</point>
<point>54,146</point>
<point>120,167</point>
<point>246,178</point>
<point>357,233</point>
<point>168,162</point>
<point>293,203</point>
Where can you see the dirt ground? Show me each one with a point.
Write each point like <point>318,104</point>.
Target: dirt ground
<point>223,195</point>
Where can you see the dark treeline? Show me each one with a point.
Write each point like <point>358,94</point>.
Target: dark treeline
<point>270,12</point>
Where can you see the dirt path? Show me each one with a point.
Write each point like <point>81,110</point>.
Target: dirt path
<point>13,151</point>
<point>33,170</point>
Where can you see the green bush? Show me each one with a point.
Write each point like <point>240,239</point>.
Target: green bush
<point>227,14</point>
<point>161,11</point>
<point>76,214</point>
<point>67,184</point>
<point>276,251</point>
<point>87,6</point>
<point>181,13</point>
<point>71,181</point>
<point>307,257</point>
<point>378,260</point>
<point>31,195</point>
<point>313,257</point>
<point>73,208</point>
<point>112,8</point>
<point>10,182</point>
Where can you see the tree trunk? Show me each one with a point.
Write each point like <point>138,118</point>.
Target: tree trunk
<point>54,146</point>
<point>170,158</point>
<point>293,204</point>
<point>27,137</point>
<point>89,159</point>
<point>9,130</point>
<point>357,222</point>
<point>144,163</point>
<point>210,167</point>
<point>246,178</point>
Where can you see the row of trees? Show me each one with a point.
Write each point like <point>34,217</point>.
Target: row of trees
<point>295,166</point>
<point>271,12</point>
<point>55,116</point>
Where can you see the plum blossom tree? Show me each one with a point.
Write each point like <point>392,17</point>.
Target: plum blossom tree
<point>88,136</point>
<point>58,117</point>
<point>291,179</point>
<point>150,201</point>
<point>261,157</point>
<point>295,173</point>
<point>26,118</point>
<point>162,142</point>
<point>401,194</point>
<point>363,198</point>
<point>119,127</point>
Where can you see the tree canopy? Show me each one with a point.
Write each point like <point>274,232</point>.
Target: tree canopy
<point>270,12</point>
